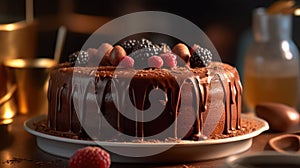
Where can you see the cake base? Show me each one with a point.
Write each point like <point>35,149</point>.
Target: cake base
<point>178,151</point>
<point>247,126</point>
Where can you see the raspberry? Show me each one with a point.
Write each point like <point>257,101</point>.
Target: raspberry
<point>79,58</point>
<point>126,62</point>
<point>169,59</point>
<point>155,61</point>
<point>92,157</point>
<point>201,57</point>
<point>194,47</point>
<point>141,50</point>
<point>141,56</point>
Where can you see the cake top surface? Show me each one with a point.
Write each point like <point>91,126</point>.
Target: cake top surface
<point>142,54</point>
<point>145,59</point>
<point>112,71</point>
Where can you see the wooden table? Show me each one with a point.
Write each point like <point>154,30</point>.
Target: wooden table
<point>18,149</point>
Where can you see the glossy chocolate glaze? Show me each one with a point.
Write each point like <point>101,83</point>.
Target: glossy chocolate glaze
<point>110,103</point>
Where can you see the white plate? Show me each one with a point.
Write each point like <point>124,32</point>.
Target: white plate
<point>186,151</point>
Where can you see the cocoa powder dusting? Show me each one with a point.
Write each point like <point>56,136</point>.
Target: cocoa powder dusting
<point>247,126</point>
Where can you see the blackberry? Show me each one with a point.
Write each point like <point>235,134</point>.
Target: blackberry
<point>133,45</point>
<point>141,56</point>
<point>79,58</point>
<point>201,57</point>
<point>141,50</point>
<point>128,45</point>
<point>143,43</point>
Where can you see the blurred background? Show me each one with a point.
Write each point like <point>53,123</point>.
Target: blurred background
<point>227,23</point>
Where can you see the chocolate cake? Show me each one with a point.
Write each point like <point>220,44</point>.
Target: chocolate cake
<point>120,99</point>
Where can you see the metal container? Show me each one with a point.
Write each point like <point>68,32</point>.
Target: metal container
<point>18,40</point>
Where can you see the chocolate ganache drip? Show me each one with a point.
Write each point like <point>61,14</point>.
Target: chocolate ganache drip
<point>110,103</point>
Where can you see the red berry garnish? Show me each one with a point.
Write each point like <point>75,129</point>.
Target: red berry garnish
<point>126,62</point>
<point>155,62</point>
<point>194,47</point>
<point>92,157</point>
<point>169,59</point>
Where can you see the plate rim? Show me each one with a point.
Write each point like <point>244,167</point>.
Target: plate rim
<point>28,127</point>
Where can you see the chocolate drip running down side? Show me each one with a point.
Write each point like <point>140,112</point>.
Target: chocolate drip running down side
<point>112,103</point>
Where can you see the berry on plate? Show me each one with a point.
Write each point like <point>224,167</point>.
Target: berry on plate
<point>91,157</point>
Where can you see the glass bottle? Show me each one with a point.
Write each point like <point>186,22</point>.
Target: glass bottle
<point>271,66</point>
